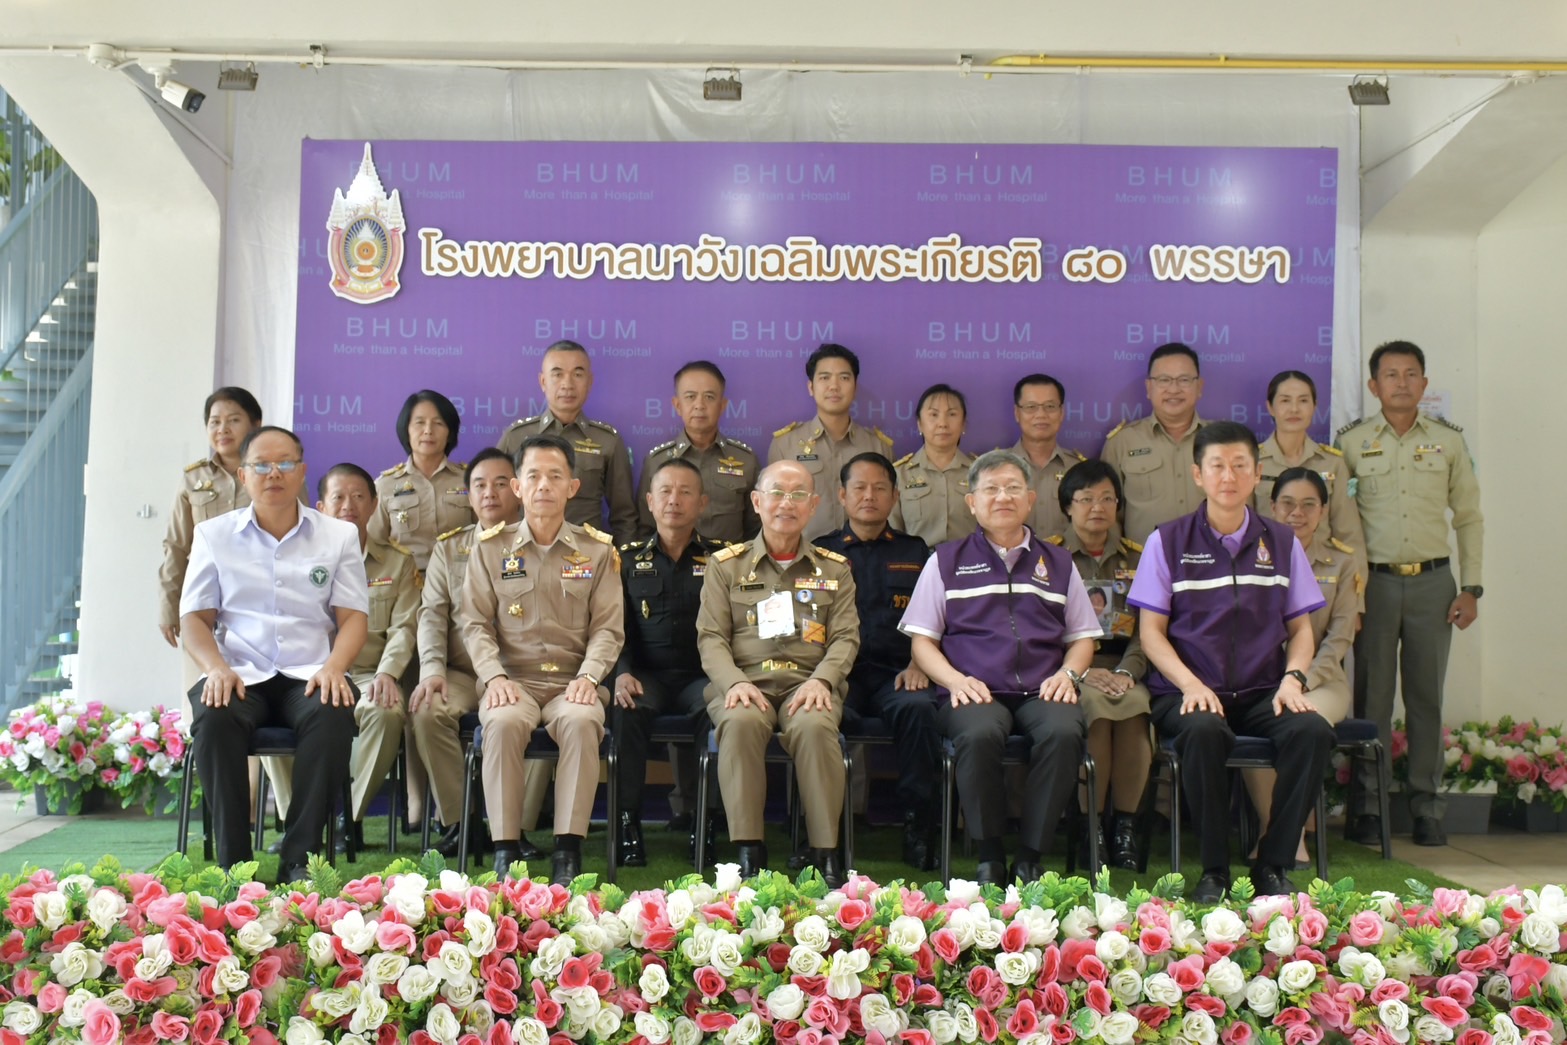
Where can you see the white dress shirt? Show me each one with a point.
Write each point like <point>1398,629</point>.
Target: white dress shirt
<point>275,598</point>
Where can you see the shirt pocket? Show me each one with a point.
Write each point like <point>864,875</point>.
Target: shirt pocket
<point>1144,476</point>
<point>900,588</point>
<point>383,597</point>
<point>590,470</point>
<point>403,513</point>
<point>1374,479</point>
<point>648,608</point>
<point>204,504</point>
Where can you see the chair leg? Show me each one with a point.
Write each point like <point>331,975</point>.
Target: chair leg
<point>612,810</point>
<point>848,809</point>
<point>948,783</point>
<point>699,824</point>
<point>350,847</point>
<point>1384,805</point>
<point>1174,762</point>
<point>1091,773</point>
<point>262,787</point>
<point>424,835</point>
<point>466,821</point>
<point>182,843</point>
<point>794,805</point>
<point>391,809</point>
<point>1322,835</point>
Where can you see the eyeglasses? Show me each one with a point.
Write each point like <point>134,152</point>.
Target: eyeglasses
<point>1109,500</point>
<point>797,496</point>
<point>267,467</point>
<point>1184,381</point>
<point>991,492</point>
<point>1038,408</point>
<point>1287,505</point>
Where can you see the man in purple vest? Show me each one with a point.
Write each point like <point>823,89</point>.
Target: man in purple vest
<point>1225,597</point>
<point>1001,622</point>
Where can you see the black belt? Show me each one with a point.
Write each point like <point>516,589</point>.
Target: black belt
<point>1410,569</point>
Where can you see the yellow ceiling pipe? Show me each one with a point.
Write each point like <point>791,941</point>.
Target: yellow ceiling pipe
<point>1347,65</point>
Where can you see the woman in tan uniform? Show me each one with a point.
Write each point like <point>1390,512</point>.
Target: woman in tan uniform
<point>423,496</point>
<point>933,481</point>
<point>1300,499</point>
<point>1114,699</point>
<point>208,489</point>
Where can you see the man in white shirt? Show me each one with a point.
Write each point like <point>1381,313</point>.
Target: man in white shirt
<point>274,611</point>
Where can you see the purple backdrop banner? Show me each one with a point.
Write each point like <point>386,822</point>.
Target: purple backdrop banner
<point>972,265</point>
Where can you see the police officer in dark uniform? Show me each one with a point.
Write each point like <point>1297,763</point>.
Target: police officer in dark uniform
<point>659,671</point>
<point>884,682</point>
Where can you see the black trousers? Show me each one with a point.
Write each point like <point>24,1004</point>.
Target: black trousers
<point>1303,741</point>
<point>979,734</point>
<point>663,693</point>
<point>911,715</point>
<point>221,738</point>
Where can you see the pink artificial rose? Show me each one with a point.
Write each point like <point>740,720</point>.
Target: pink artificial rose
<point>1237,1033</point>
<point>988,1029</point>
<point>852,914</point>
<point>1458,988</point>
<point>1213,1006</point>
<point>501,1000</point>
<point>205,1027</point>
<point>713,1022</point>
<point>1187,973</point>
<point>1474,1036</point>
<point>169,1026</point>
<point>1313,927</point>
<point>101,1026</point>
<point>1365,929</point>
<point>51,997</point>
<point>945,942</point>
<point>1389,990</point>
<point>916,1036</point>
<point>1097,998</point>
<point>240,913</point>
<point>1530,1018</point>
<point>1024,1020</point>
<point>247,1007</point>
<point>1014,938</point>
<point>1153,941</point>
<point>1526,971</point>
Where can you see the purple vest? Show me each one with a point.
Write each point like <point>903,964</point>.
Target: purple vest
<point>1005,630</point>
<point>1227,614</point>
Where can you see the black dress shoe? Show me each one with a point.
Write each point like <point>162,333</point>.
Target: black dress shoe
<point>1025,871</point>
<point>450,840</point>
<point>1365,828</point>
<point>506,854</point>
<point>1429,831</point>
<point>1271,881</point>
<point>527,850</point>
<point>753,859</point>
<point>293,873</point>
<point>681,822</point>
<point>830,864</point>
<point>1211,887</point>
<point>800,859</point>
<point>565,866</point>
<point>1125,850</point>
<point>991,872</point>
<point>631,852</point>
<point>919,841</point>
<point>276,845</point>
<point>344,828</point>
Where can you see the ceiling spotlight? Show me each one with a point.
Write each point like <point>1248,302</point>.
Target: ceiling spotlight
<point>238,76</point>
<point>722,85</point>
<point>1369,90</point>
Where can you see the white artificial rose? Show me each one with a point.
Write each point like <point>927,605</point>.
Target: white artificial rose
<point>1078,923</point>
<point>22,1017</point>
<point>698,947</point>
<point>786,1002</point>
<point>441,1024</point>
<point>119,1002</point>
<point>987,934</point>
<point>1222,925</point>
<point>963,891</point>
<point>1226,979</point>
<point>302,1031</point>
<point>726,877</point>
<point>1504,1031</point>
<point>1126,985</point>
<point>1556,978</point>
<point>615,929</point>
<point>385,967</point>
<point>1388,903</point>
<point>106,908</point>
<point>416,983</point>
<point>686,1031</point>
<point>529,1031</point>
<point>1488,928</point>
<point>1198,1027</point>
<point>962,924</point>
<point>1364,969</point>
<point>1093,1021</point>
<point>942,1026</point>
<point>727,955</point>
<point>353,1039</point>
<point>1017,968</point>
<point>1262,996</point>
<point>843,983</point>
<point>453,963</point>
<point>654,1028</point>
<point>1473,907</point>
<point>552,955</point>
<point>74,1012</point>
<point>51,909</point>
<point>805,962</point>
<point>480,928</point>
<point>1112,946</point>
<point>1183,933</point>
<point>76,963</point>
<point>370,1013</point>
<point>1296,976</point>
<point>747,1030</point>
<point>228,977</point>
<point>582,1002</point>
<point>1429,1028</point>
<point>766,926</point>
<point>589,936</point>
<point>1406,965</point>
<point>1394,1015</point>
<point>1539,933</point>
<point>357,935</point>
<point>407,897</point>
<point>1041,925</point>
<point>1118,1028</point>
<point>968,1026</point>
<point>1109,911</point>
<point>906,934</point>
<point>335,1004</point>
<point>811,931</point>
<point>877,1013</point>
<point>679,908</point>
<point>606,1021</point>
<point>1160,989</point>
<point>1281,938</point>
<point>320,949</point>
<point>253,937</point>
<point>461,993</point>
<point>653,984</point>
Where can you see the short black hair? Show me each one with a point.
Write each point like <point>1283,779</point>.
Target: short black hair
<point>868,457</point>
<point>236,395</point>
<point>829,350</point>
<point>1291,375</point>
<point>489,453</point>
<point>1174,348</point>
<point>257,433</point>
<point>1081,476</point>
<point>345,468</point>
<point>1224,433</point>
<point>443,406</point>
<point>1036,379</point>
<point>675,462</point>
<point>1291,475</point>
<point>567,345</point>
<point>545,442</point>
<point>941,389</point>
<point>1397,348</point>
<point>701,366</point>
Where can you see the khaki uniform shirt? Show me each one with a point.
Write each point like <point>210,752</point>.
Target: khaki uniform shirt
<point>1343,518</point>
<point>826,638</point>
<point>1047,517</point>
<point>394,610</point>
<point>808,443</point>
<point>440,630</point>
<point>410,509</point>
<point>1343,582</point>
<point>603,467</point>
<point>1405,486</point>
<point>1121,649</point>
<point>543,615</point>
<point>206,492</point>
<point>1156,473</point>
<point>930,501</point>
<point>729,469</point>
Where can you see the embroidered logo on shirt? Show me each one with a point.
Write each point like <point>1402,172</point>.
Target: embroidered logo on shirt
<point>319,576</point>
<point>1041,571</point>
<point>1263,557</point>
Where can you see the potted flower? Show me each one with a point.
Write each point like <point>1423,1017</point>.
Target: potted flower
<point>1533,794</point>
<point>147,758</point>
<point>56,749</point>
<point>1473,768</point>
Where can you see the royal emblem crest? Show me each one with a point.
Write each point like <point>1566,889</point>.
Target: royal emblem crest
<point>366,244</point>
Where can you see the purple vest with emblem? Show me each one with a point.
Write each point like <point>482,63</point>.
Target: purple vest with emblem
<point>1004,629</point>
<point>1227,613</point>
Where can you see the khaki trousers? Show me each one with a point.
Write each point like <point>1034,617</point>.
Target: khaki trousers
<point>577,729</point>
<point>375,748</point>
<point>810,738</point>
<point>440,751</point>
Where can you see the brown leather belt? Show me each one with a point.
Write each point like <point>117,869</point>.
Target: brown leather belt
<point>1411,569</point>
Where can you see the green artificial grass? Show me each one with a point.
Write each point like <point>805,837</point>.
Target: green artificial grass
<point>141,843</point>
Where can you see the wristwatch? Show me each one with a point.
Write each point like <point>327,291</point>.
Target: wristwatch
<point>1472,589</point>
<point>1299,676</point>
<point>1077,680</point>
<point>590,678</point>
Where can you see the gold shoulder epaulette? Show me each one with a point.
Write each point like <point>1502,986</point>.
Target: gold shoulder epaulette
<point>391,542</point>
<point>397,469</point>
<point>905,459</point>
<point>736,442</point>
<point>453,532</point>
<point>598,535</point>
<point>883,436</point>
<point>729,552</point>
<point>1352,424</point>
<point>1335,451</point>
<point>786,429</point>
<point>829,555</point>
<point>661,447</point>
<point>1444,422</point>
<point>485,535</point>
<point>1116,429</point>
<point>1077,455</point>
<point>629,545</point>
<point>611,429</point>
<point>1055,539</point>
<point>196,464</point>
<point>712,544</point>
<point>459,465</point>
<point>1131,545</point>
<point>1341,546</point>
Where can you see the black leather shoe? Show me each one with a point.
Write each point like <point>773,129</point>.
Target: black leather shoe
<point>631,852</point>
<point>1125,852</point>
<point>505,855</point>
<point>1271,881</point>
<point>830,864</point>
<point>293,873</point>
<point>1365,828</point>
<point>1429,831</point>
<point>564,866</point>
<point>800,859</point>
<point>1211,887</point>
<point>450,840</point>
<point>681,822</point>
<point>753,859</point>
<point>919,848</point>
<point>527,850</point>
<point>343,830</point>
<point>991,872</point>
<point>1026,871</point>
<point>276,845</point>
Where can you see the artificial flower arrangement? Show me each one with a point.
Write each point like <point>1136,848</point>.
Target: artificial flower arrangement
<point>427,956</point>
<point>1472,758</point>
<point>1534,758</point>
<point>66,748</point>
<point>148,751</point>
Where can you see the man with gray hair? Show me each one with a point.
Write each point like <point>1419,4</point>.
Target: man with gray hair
<point>1001,623</point>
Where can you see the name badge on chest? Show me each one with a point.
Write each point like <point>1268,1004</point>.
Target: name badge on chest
<point>512,568</point>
